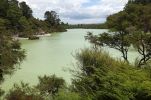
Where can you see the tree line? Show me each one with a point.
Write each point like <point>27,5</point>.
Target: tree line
<point>88,26</point>
<point>17,18</point>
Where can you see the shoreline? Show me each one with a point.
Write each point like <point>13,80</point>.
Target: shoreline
<point>44,35</point>
<point>22,38</point>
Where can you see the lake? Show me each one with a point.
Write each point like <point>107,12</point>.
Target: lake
<point>53,55</point>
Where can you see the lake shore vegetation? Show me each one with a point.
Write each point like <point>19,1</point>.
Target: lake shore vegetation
<point>96,76</point>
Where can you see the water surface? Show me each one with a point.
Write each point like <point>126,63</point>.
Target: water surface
<point>52,55</point>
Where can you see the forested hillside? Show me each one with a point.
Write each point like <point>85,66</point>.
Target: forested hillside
<point>17,18</point>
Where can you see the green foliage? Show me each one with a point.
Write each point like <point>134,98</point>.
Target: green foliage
<point>67,95</point>
<point>19,20</point>
<point>140,29</point>
<point>13,14</point>
<point>139,16</point>
<point>88,26</point>
<point>52,18</point>
<point>24,24</point>
<point>3,8</point>
<point>3,23</point>
<point>26,10</point>
<point>118,41</point>
<point>11,54</point>
<point>140,1</point>
<point>117,22</point>
<point>102,78</point>
<point>48,88</point>
<point>97,75</point>
<point>23,92</point>
<point>130,27</point>
<point>1,93</point>
<point>50,84</point>
<point>141,42</point>
<point>53,21</point>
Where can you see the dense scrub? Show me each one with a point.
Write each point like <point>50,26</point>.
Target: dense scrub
<point>101,77</point>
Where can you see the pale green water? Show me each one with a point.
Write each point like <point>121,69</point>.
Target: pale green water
<point>51,55</point>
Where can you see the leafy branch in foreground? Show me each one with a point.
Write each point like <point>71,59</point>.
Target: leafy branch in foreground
<point>11,54</point>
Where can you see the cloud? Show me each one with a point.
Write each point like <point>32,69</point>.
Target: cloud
<point>77,11</point>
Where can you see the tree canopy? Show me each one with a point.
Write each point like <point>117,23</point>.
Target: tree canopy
<point>26,10</point>
<point>140,1</point>
<point>130,27</point>
<point>19,19</point>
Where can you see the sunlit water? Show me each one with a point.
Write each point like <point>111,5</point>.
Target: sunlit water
<point>53,55</point>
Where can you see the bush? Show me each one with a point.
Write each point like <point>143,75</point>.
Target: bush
<point>103,78</point>
<point>50,84</point>
<point>23,92</point>
<point>48,88</point>
<point>67,95</point>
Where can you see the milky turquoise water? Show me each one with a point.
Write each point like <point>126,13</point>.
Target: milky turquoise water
<point>53,55</point>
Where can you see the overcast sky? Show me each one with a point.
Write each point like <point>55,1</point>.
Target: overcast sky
<point>77,11</point>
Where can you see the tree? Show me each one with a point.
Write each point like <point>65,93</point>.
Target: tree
<point>142,43</point>
<point>11,54</point>
<point>23,24</point>
<point>132,26</point>
<point>3,8</point>
<point>93,39</point>
<point>52,18</point>
<point>25,29</point>
<point>118,39</point>
<point>26,10</point>
<point>140,1</point>
<point>18,15</point>
<point>13,15</point>
<point>53,22</point>
<point>139,16</point>
<point>140,30</point>
<point>3,24</point>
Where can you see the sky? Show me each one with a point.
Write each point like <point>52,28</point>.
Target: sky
<point>77,11</point>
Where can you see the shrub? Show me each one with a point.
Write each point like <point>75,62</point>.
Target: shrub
<point>103,78</point>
